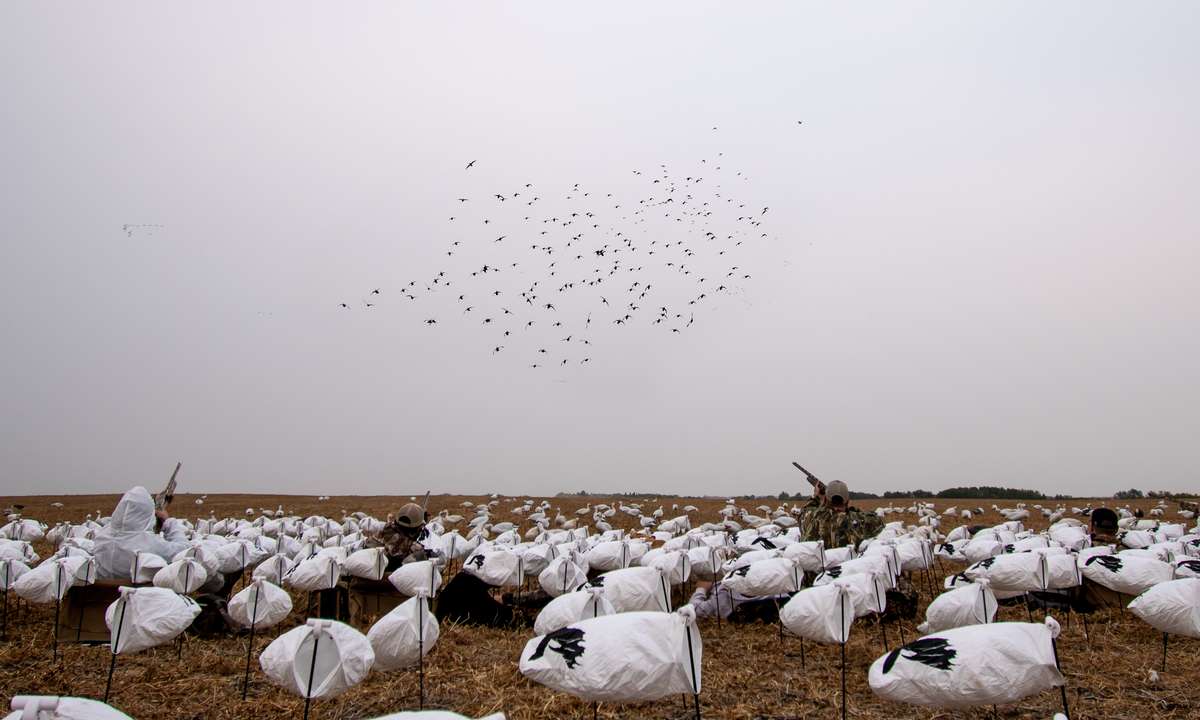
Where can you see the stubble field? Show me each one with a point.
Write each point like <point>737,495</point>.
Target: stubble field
<point>747,671</point>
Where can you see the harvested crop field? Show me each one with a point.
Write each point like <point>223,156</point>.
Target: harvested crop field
<point>748,672</point>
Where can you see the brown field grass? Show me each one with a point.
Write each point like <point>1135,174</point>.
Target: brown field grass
<point>747,673</point>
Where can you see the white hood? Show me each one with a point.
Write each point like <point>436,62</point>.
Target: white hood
<point>130,531</point>
<point>134,513</point>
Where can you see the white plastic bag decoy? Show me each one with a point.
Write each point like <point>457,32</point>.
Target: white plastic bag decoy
<point>1171,607</point>
<point>183,576</point>
<point>867,590</point>
<point>674,566</point>
<point>537,557</point>
<point>320,572</point>
<point>238,555</point>
<point>434,715</point>
<point>51,580</point>
<point>561,576</point>
<point>51,707</point>
<point>146,617</point>
<point>610,555</point>
<point>145,566</point>
<point>773,576</point>
<point>1187,568</point>
<point>626,657</point>
<point>321,659</point>
<point>25,529</point>
<point>498,568</point>
<point>970,666</point>
<point>970,604</point>
<point>274,569</point>
<point>875,564</point>
<point>821,614</point>
<point>17,550</point>
<point>810,555</point>
<point>982,547</point>
<point>416,578</point>
<point>634,589</point>
<point>838,555</point>
<point>368,563</point>
<point>571,608</point>
<point>1012,572</point>
<point>404,635</point>
<point>261,604</point>
<point>1127,574</point>
<point>706,561</point>
<point>10,570</point>
<point>206,555</point>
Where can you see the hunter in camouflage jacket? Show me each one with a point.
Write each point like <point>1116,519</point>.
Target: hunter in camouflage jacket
<point>837,528</point>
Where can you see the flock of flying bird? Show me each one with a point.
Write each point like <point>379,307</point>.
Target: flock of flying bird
<point>145,228</point>
<point>544,272</point>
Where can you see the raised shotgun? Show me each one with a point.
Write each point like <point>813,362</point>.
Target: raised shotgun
<point>818,486</point>
<point>164,498</point>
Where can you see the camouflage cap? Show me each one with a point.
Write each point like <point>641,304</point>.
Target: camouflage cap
<point>837,488</point>
<point>410,516</point>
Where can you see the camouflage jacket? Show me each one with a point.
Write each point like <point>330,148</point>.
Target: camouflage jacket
<point>399,543</point>
<point>837,529</point>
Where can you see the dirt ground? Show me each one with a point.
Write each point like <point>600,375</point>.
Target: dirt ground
<point>748,672</point>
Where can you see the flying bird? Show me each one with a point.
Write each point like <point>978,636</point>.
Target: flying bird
<point>622,245</point>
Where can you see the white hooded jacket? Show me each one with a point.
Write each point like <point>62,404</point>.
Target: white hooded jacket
<point>131,531</point>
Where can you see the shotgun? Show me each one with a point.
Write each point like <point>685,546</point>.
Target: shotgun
<point>818,486</point>
<point>164,498</point>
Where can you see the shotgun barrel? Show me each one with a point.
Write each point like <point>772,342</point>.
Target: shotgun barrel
<point>818,486</point>
<point>164,498</point>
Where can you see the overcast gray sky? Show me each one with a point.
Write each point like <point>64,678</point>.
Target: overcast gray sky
<point>981,263</point>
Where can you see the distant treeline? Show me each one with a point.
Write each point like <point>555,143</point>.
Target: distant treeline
<point>1135,494</point>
